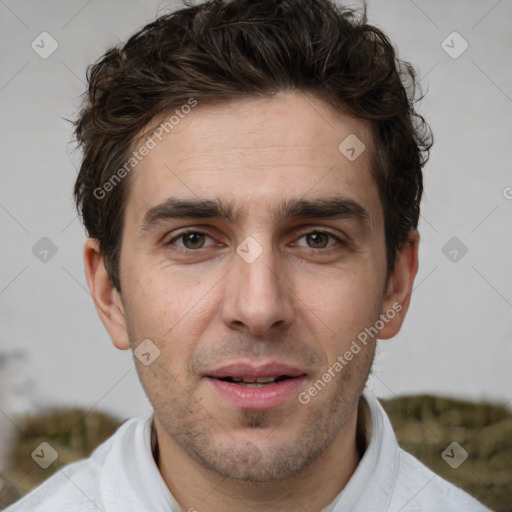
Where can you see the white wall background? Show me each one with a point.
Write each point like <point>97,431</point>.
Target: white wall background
<point>457,339</point>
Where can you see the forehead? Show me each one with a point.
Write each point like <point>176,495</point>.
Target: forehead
<point>255,154</point>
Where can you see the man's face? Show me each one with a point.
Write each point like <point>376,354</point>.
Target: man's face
<point>285,302</point>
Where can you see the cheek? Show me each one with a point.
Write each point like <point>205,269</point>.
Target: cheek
<point>158,297</point>
<point>172,312</point>
<point>342,309</point>
<point>347,298</point>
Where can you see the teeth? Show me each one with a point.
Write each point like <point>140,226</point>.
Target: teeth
<point>253,383</point>
<point>263,380</point>
<point>266,379</point>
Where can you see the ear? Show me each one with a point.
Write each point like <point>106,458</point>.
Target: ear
<point>106,298</point>
<point>399,287</point>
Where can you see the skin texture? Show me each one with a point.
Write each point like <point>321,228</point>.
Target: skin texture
<point>302,301</point>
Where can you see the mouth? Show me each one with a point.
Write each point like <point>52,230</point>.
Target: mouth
<point>256,383</point>
<point>256,387</point>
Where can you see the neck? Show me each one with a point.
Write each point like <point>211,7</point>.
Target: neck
<point>314,488</point>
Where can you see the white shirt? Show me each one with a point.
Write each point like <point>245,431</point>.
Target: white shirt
<point>122,476</point>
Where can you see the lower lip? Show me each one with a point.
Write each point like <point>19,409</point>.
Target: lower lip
<point>264,397</point>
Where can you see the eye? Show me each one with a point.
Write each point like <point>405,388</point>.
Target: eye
<point>195,240</point>
<point>191,240</point>
<point>319,239</point>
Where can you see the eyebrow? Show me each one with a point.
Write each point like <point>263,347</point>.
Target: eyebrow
<point>334,207</point>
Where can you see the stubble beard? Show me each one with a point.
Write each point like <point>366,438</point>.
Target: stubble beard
<point>197,432</point>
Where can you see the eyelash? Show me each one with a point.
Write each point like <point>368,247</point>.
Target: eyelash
<point>197,232</point>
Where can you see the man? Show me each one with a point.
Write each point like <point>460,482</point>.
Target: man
<point>250,185</point>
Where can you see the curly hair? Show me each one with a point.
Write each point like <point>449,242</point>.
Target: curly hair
<point>220,50</point>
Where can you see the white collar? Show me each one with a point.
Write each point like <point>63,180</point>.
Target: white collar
<point>371,485</point>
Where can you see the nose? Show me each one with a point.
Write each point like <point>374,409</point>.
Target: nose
<point>257,298</point>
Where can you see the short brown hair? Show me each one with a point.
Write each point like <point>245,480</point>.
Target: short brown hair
<point>226,49</point>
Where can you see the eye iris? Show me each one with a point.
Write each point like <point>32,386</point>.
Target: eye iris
<point>316,238</point>
<point>196,239</point>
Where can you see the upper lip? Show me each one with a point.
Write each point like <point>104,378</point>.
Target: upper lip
<point>244,370</point>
